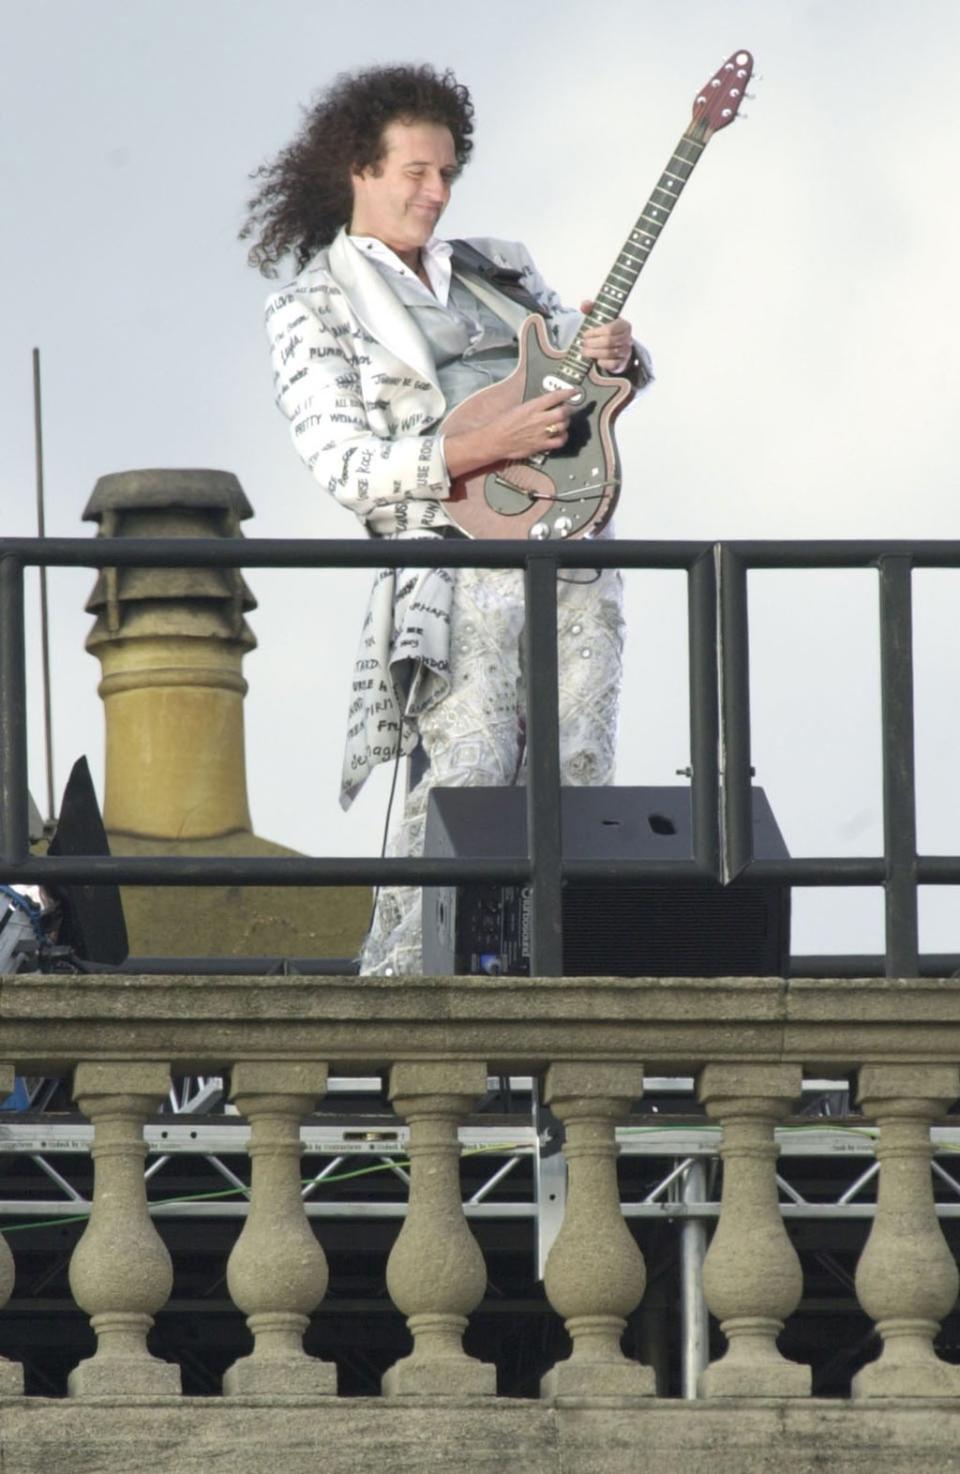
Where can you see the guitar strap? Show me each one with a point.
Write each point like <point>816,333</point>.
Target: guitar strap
<point>503,279</point>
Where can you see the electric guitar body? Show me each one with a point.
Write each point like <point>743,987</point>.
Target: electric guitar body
<point>566,493</point>
<point>572,491</point>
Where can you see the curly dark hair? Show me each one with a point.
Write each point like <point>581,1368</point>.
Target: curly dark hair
<point>306,194</point>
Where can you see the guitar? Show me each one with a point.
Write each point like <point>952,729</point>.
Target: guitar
<point>572,491</point>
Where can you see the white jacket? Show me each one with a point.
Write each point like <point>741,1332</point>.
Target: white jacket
<point>356,379</point>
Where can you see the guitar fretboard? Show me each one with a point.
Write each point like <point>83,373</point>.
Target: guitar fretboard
<point>622,276</point>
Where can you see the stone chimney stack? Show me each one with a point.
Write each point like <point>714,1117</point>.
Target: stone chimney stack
<point>171,643</point>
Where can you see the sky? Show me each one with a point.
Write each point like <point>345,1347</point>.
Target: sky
<point>801,310</point>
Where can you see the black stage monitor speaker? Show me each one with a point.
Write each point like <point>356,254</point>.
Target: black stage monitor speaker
<point>665,928</point>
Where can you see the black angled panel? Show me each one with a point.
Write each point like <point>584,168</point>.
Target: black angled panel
<point>93,924</point>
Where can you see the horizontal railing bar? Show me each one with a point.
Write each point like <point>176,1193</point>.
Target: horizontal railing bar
<point>248,870</point>
<point>613,871</point>
<point>870,965</point>
<point>847,870</point>
<point>354,552</point>
<point>98,552</point>
<point>844,553</point>
<point>240,966</point>
<point>827,870</point>
<point>821,965</point>
<point>354,870</point>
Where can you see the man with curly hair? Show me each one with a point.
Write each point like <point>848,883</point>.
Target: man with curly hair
<point>385,329</point>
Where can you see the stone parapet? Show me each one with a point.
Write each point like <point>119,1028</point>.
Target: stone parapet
<point>674,1025</point>
<point>749,1043</point>
<point>300,1435</point>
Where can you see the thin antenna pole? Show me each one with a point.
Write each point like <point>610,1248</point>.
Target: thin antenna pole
<point>44,620</point>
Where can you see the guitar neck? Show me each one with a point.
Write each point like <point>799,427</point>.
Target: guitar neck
<point>621,278</point>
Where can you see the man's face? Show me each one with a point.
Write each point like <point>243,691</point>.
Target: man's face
<point>400,199</point>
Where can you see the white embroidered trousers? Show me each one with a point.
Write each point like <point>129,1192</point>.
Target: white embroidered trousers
<point>475,736</point>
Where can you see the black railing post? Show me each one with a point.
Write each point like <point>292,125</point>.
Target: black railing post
<point>14,813</point>
<point>544,831</point>
<point>704,714</point>
<point>734,659</point>
<point>899,797</point>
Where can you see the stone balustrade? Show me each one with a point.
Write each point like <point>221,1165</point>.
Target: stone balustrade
<point>751,1275</point>
<point>748,1042</point>
<point>277,1272</point>
<point>120,1272</point>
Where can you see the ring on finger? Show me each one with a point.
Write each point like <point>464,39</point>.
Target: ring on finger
<point>554,430</point>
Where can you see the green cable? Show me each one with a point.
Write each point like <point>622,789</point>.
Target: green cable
<point>228,1192</point>
<point>668,1126</point>
<point>864,1131</point>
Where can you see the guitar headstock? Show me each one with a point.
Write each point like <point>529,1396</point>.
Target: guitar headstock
<point>718,102</point>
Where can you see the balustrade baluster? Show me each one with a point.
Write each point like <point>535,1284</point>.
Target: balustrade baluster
<point>595,1274</point>
<point>120,1272</point>
<point>11,1372</point>
<point>752,1278</point>
<point>277,1271</point>
<point>906,1279</point>
<point>435,1274</point>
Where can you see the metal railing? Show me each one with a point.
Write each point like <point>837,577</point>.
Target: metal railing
<point>722,825</point>
<point>899,870</point>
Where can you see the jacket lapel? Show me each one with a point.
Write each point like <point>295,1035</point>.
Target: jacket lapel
<point>381,313</point>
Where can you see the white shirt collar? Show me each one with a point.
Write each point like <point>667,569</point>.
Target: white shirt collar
<point>435,256</point>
